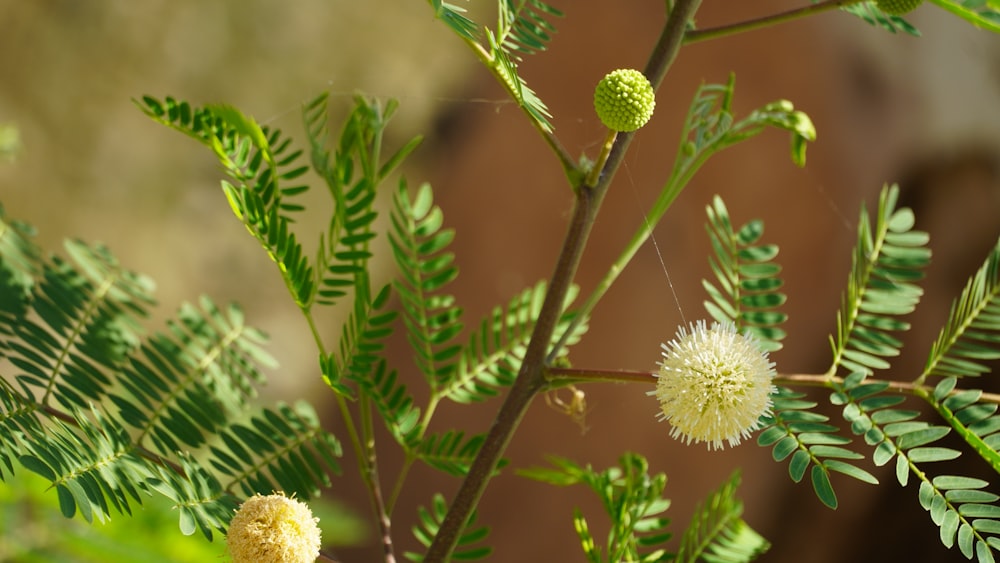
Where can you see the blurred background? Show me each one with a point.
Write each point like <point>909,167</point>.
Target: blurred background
<point>888,108</point>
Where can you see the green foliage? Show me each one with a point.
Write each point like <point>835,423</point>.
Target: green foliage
<point>288,450</point>
<point>632,500</point>
<point>717,533</point>
<point>111,415</point>
<point>489,361</point>
<point>35,531</point>
<point>432,319</point>
<point>748,287</point>
<point>495,349</point>
<point>361,340</point>
<point>973,328</point>
<point>710,126</point>
<point>794,429</point>
<point>888,258</point>
<point>344,249</point>
<point>955,503</point>
<point>869,12</point>
<point>524,27</point>
<point>257,161</point>
<point>430,522</point>
<point>103,411</point>
<point>983,14</point>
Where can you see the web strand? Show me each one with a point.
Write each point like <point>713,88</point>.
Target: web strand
<point>656,246</point>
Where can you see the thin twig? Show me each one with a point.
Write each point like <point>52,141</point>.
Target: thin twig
<point>562,377</point>
<point>696,35</point>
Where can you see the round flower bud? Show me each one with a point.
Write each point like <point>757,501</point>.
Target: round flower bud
<point>624,100</point>
<point>898,7</point>
<point>713,385</point>
<point>273,529</point>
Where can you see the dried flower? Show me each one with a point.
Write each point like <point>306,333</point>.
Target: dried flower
<point>273,529</point>
<point>624,100</point>
<point>713,385</point>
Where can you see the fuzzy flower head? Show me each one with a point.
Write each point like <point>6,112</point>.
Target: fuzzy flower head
<point>624,100</point>
<point>273,529</point>
<point>713,384</point>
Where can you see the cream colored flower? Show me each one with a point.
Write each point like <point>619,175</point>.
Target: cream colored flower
<point>714,384</point>
<point>273,529</point>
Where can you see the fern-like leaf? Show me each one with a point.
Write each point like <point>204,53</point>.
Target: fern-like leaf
<point>717,533</point>
<point>20,264</point>
<point>888,258</point>
<point>87,323</point>
<point>964,512</point>
<point>361,341</point>
<point>454,17</point>
<point>278,450</point>
<point>419,244</point>
<point>794,429</point>
<point>91,464</point>
<point>451,452</point>
<point>430,522</point>
<point>394,404</point>
<point>747,290</point>
<point>352,175</point>
<point>259,162</point>
<point>198,496</point>
<point>974,420</point>
<point>956,504</point>
<point>973,329</point>
<point>984,15</point>
<point>630,496</point>
<point>104,412</point>
<point>870,13</point>
<point>524,26</point>
<point>18,420</point>
<point>188,384</point>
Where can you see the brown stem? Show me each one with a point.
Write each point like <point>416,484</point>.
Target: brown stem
<point>697,35</point>
<point>531,379</point>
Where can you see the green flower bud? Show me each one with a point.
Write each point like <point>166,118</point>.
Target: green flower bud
<point>898,7</point>
<point>624,100</point>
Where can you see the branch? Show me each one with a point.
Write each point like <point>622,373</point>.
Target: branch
<point>696,35</point>
<point>531,377</point>
<point>564,377</point>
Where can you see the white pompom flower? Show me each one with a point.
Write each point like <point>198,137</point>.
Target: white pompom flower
<point>713,385</point>
<point>273,529</point>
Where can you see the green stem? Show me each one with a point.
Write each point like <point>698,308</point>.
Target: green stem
<point>368,465</point>
<point>595,172</point>
<point>696,35</point>
<point>410,456</point>
<point>531,377</point>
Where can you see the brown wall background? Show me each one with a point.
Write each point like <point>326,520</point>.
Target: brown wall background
<point>887,108</point>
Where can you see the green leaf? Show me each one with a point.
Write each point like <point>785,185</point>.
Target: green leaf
<point>430,521</point>
<point>980,13</point>
<point>969,335</point>
<point>879,287</point>
<point>869,12</point>
<point>745,292</point>
<point>717,532</point>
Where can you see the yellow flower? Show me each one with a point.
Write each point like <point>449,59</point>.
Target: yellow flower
<point>713,384</point>
<point>273,529</point>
